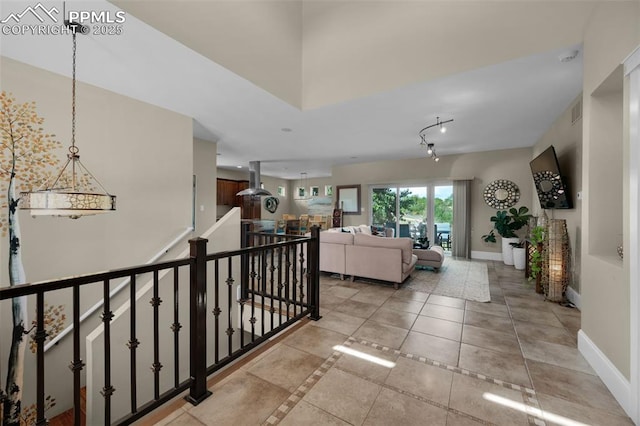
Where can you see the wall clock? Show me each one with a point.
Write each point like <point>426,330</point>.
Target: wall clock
<point>501,194</point>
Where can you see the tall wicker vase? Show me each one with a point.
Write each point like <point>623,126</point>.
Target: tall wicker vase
<point>557,260</point>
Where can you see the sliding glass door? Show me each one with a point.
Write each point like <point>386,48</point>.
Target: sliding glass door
<point>410,209</point>
<point>443,215</point>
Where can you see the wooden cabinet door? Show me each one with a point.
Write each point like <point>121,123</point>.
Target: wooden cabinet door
<point>237,199</point>
<point>227,190</point>
<point>220,188</point>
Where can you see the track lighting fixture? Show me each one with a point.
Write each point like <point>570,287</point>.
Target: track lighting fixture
<point>431,149</point>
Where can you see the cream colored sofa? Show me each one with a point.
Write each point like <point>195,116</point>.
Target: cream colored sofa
<point>368,256</point>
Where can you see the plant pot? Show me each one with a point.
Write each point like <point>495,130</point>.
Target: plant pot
<point>519,258</point>
<point>507,250</point>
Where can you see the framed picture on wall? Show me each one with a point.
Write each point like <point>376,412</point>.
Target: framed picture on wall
<point>328,190</point>
<point>315,191</point>
<point>281,191</point>
<point>349,198</point>
<point>300,192</point>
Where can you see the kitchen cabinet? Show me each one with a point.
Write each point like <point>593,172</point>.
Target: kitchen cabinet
<point>227,190</point>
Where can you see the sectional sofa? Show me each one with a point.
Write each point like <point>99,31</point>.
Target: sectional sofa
<point>367,256</point>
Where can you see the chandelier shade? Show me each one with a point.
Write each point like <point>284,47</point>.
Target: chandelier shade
<point>70,204</point>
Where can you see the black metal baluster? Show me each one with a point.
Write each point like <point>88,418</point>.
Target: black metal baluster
<point>272,269</point>
<point>229,304</point>
<point>287,264</point>
<point>301,281</point>
<point>133,344</point>
<point>156,366</point>
<point>254,276</point>
<point>294,275</point>
<point>263,284</point>
<point>107,316</point>
<point>39,338</point>
<point>176,327</point>
<point>76,365</point>
<point>280,285</point>
<point>217,311</point>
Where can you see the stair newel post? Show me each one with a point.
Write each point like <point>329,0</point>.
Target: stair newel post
<point>198,321</point>
<point>314,269</point>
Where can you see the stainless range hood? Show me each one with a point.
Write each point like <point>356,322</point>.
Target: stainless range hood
<point>254,181</point>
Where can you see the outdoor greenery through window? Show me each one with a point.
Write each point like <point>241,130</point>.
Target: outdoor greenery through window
<point>408,210</point>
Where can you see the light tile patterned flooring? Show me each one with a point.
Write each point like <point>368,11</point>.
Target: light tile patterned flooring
<point>385,357</point>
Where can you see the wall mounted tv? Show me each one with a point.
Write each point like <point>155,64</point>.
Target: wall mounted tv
<point>550,186</point>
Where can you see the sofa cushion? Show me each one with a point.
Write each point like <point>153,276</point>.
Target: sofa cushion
<point>406,267</point>
<point>404,244</point>
<point>336,237</point>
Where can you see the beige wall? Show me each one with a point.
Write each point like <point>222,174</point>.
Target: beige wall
<point>566,138</point>
<point>482,167</point>
<point>613,32</point>
<point>204,166</point>
<point>141,153</point>
<point>299,206</point>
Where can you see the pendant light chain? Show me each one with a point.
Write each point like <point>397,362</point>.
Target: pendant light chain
<point>73,148</point>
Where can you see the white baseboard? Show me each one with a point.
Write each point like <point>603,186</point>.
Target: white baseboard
<point>486,255</point>
<point>618,385</point>
<point>574,297</point>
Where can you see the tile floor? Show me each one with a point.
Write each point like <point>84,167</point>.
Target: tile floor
<point>385,357</point>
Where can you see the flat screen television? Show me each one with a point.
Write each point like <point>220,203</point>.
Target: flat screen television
<point>550,186</point>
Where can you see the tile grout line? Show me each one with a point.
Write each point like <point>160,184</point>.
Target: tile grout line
<point>279,414</point>
<point>444,366</point>
<point>350,342</point>
<point>528,394</point>
<point>530,399</point>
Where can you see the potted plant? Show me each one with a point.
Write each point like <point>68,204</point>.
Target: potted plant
<point>535,261</point>
<point>519,255</point>
<point>507,223</point>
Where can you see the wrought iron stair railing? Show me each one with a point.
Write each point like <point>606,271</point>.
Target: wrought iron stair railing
<point>273,283</point>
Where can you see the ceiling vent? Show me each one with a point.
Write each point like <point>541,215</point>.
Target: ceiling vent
<point>576,112</point>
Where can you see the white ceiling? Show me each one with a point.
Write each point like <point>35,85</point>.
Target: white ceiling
<point>506,105</point>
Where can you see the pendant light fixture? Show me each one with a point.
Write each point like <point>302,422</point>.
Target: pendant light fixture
<point>74,191</point>
<point>304,185</point>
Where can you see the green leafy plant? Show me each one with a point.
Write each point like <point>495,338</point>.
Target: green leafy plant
<point>490,237</point>
<point>506,223</point>
<point>537,238</point>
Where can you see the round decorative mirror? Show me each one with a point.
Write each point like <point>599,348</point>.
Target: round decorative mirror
<point>271,204</point>
<point>501,194</point>
<point>549,186</point>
